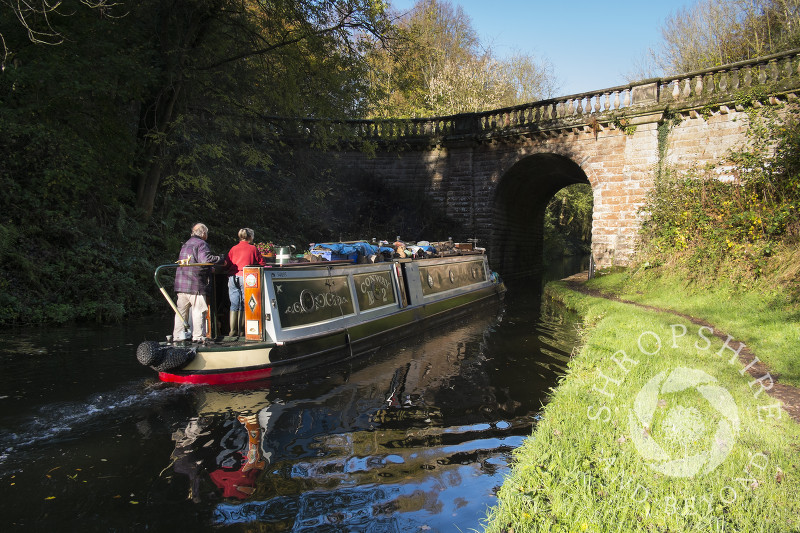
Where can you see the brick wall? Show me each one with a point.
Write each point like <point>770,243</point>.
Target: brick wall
<point>498,189</point>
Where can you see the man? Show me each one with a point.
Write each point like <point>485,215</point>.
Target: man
<point>192,285</point>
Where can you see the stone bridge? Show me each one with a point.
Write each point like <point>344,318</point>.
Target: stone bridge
<point>494,172</point>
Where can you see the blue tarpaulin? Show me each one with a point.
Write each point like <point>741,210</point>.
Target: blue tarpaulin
<point>341,248</point>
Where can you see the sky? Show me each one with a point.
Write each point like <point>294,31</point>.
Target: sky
<point>591,45</point>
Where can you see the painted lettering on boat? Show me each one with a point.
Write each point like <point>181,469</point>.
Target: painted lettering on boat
<point>310,300</point>
<point>374,290</point>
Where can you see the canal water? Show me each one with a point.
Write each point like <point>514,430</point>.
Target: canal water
<point>416,437</point>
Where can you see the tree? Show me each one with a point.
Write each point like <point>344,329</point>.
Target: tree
<point>713,33</point>
<point>157,106</point>
<point>436,65</point>
<point>248,59</point>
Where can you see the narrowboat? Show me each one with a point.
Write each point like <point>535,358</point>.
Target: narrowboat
<point>306,314</point>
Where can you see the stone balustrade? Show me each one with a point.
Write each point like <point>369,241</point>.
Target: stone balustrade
<point>723,86</point>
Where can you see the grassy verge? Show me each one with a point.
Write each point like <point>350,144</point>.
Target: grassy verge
<point>767,320</point>
<point>591,466</point>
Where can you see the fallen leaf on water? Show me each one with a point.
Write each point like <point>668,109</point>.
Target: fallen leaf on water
<point>134,503</point>
<point>50,498</point>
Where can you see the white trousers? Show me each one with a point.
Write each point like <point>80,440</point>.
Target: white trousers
<point>197,325</point>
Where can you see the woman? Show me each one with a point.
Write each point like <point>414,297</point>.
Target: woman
<point>242,255</point>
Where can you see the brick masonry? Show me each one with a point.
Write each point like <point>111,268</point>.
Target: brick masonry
<point>498,188</point>
<point>495,171</point>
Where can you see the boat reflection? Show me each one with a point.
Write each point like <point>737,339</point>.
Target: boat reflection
<point>376,444</point>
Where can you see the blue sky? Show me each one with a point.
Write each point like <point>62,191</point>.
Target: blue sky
<point>592,45</point>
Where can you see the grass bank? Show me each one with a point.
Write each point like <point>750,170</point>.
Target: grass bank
<point>765,316</point>
<point>654,429</point>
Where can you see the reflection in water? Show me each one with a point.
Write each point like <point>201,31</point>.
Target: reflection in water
<point>385,444</point>
<point>416,435</point>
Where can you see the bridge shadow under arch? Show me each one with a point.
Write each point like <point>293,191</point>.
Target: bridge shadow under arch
<point>519,206</point>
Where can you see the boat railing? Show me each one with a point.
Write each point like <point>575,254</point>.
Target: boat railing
<point>164,292</point>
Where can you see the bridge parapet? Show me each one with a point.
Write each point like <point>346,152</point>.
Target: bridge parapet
<point>723,88</point>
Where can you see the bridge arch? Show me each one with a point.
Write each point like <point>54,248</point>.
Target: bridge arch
<point>518,208</point>
<point>493,172</point>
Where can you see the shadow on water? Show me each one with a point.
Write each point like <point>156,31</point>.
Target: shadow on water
<point>416,435</point>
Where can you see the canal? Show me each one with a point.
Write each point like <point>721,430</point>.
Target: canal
<point>416,437</point>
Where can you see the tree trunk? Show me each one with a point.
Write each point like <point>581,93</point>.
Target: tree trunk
<point>148,182</point>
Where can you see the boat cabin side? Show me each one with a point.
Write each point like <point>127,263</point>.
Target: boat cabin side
<point>287,304</point>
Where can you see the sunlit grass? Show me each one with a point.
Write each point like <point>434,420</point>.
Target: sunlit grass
<point>582,471</point>
<point>768,321</point>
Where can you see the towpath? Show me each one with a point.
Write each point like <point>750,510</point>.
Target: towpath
<point>789,395</point>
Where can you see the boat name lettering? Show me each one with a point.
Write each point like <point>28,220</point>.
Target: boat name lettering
<point>310,302</point>
<point>376,287</point>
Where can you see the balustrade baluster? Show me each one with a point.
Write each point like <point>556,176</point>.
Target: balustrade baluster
<point>687,88</point>
<point>762,73</point>
<point>607,104</point>
<point>723,81</point>
<point>747,79</point>
<point>773,69</point>
<point>627,99</point>
<point>733,77</point>
<point>787,68</point>
<point>616,100</point>
<point>698,86</point>
<point>587,105</point>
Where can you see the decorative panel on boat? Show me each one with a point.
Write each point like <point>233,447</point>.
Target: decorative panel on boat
<point>443,277</point>
<point>374,290</point>
<point>308,301</point>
